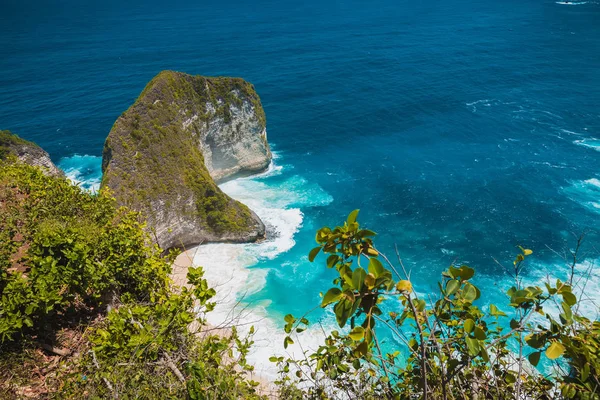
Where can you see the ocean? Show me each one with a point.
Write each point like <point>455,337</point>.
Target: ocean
<point>460,129</point>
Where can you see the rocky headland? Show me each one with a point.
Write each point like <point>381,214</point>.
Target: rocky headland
<point>165,155</point>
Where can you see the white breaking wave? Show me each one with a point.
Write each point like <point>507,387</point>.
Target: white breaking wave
<point>227,265</point>
<point>83,170</point>
<point>586,193</point>
<point>591,143</point>
<point>594,182</point>
<point>571,3</point>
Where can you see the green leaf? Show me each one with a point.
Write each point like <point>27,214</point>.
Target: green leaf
<point>569,298</point>
<point>452,286</point>
<point>287,341</point>
<point>376,267</point>
<point>479,333</point>
<point>362,349</point>
<point>569,391</point>
<point>358,278</point>
<point>568,313</point>
<point>555,350</point>
<point>352,217</point>
<point>366,233</point>
<point>313,253</point>
<point>494,311</point>
<point>332,260</point>
<point>484,354</point>
<point>469,325</point>
<point>342,311</point>
<point>420,304</point>
<point>370,281</point>
<point>510,378</point>
<point>289,319</point>
<point>453,272</point>
<point>404,286</point>
<point>357,333</point>
<point>585,372</point>
<point>470,293</point>
<point>466,273</point>
<point>473,346</point>
<point>331,296</point>
<point>534,358</point>
<point>534,340</point>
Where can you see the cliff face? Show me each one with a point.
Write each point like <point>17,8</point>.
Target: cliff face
<point>165,152</point>
<point>232,131</point>
<point>26,152</point>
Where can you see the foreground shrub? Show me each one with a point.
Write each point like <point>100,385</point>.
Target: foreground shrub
<point>452,348</point>
<point>81,280</point>
<point>164,350</point>
<point>65,252</point>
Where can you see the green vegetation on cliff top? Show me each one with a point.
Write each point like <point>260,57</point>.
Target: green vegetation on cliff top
<point>221,92</point>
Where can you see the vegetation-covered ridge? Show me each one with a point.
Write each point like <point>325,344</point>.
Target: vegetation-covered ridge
<point>153,162</point>
<point>9,140</point>
<point>87,309</point>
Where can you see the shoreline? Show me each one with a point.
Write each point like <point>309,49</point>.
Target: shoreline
<point>229,267</point>
<point>180,266</point>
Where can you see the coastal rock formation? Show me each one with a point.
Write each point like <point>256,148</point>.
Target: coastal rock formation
<point>164,154</point>
<point>26,152</point>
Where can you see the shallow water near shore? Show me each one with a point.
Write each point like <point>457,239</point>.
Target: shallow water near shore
<point>460,129</point>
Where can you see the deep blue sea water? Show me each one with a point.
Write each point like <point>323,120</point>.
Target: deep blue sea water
<point>461,129</point>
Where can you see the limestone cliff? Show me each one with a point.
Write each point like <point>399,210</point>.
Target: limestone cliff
<point>26,152</point>
<point>164,154</point>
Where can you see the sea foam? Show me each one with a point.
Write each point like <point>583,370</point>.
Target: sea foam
<point>83,170</point>
<point>591,143</point>
<point>585,192</point>
<point>228,266</point>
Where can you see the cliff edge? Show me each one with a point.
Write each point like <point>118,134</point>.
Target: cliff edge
<point>26,152</point>
<point>164,154</point>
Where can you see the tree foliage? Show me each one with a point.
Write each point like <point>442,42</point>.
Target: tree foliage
<point>452,349</point>
<point>74,265</point>
<point>64,250</point>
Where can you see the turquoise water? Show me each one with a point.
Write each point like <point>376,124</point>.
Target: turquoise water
<point>461,129</point>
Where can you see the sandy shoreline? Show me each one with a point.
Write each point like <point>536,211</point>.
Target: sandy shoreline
<point>179,276</point>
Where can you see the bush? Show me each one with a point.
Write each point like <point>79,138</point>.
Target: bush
<point>77,271</point>
<point>158,350</point>
<point>452,348</point>
<point>65,251</point>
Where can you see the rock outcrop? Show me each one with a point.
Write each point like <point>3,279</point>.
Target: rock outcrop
<point>26,152</point>
<point>164,154</point>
